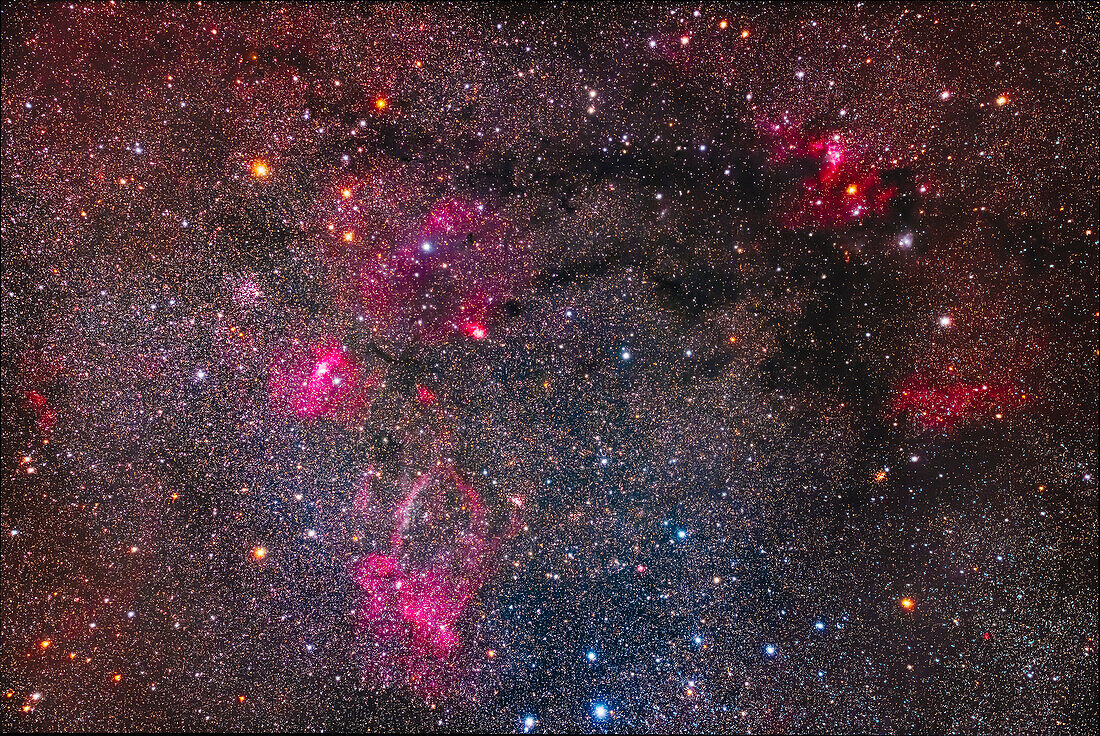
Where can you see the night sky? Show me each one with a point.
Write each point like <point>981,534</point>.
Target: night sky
<point>609,368</point>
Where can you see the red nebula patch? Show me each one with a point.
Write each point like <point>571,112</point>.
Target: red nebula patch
<point>452,217</point>
<point>45,416</point>
<point>425,395</point>
<point>325,381</point>
<point>39,370</point>
<point>946,405</point>
<point>834,199</point>
<point>415,596</point>
<point>838,193</point>
<point>475,330</point>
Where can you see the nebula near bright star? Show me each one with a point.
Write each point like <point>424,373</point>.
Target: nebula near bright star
<point>549,368</point>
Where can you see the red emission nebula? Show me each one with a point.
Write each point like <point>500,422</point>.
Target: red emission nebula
<point>946,405</point>
<point>416,594</point>
<point>323,381</point>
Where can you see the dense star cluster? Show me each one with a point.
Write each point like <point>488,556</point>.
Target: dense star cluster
<point>553,368</point>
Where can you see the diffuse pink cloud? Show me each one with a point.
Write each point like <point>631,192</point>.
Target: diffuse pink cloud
<point>419,279</point>
<point>415,595</point>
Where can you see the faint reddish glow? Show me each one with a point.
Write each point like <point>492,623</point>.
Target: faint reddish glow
<point>476,261</point>
<point>947,404</point>
<point>45,416</point>
<point>425,395</point>
<point>35,399</point>
<point>364,498</point>
<point>475,330</point>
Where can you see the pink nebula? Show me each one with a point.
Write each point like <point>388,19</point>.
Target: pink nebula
<point>415,596</point>
<point>429,280</point>
<point>325,381</point>
<point>475,330</point>
<point>39,371</point>
<point>46,417</point>
<point>425,395</point>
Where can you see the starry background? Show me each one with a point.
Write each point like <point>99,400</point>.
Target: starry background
<point>765,336</point>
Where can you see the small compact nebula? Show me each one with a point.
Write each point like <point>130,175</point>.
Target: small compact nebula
<point>425,395</point>
<point>475,330</point>
<point>416,594</point>
<point>324,381</point>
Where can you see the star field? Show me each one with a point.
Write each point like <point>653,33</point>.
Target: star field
<point>550,368</point>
